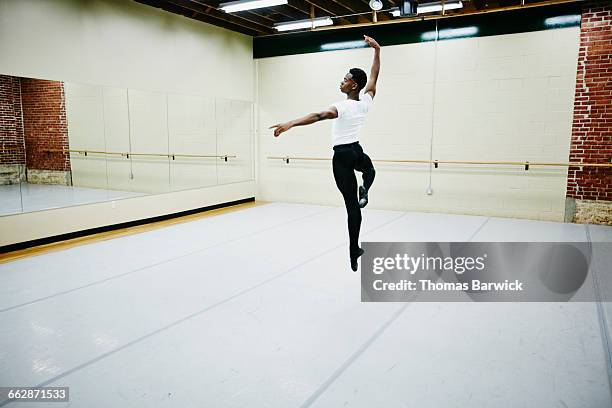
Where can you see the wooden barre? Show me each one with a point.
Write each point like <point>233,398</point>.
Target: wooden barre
<point>436,162</point>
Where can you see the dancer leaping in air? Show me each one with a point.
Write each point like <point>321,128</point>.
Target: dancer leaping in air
<point>348,154</point>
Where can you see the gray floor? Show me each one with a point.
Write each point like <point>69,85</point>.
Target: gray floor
<point>26,197</point>
<point>258,308</point>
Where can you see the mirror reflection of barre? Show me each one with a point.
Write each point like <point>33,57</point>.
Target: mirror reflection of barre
<point>128,154</point>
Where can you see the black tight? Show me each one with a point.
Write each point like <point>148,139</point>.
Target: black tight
<point>347,159</point>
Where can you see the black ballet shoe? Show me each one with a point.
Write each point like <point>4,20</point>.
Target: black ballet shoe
<point>354,260</point>
<point>363,197</point>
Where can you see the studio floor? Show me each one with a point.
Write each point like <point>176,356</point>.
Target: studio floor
<point>259,308</point>
<point>26,197</point>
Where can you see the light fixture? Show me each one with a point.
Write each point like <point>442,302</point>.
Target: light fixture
<point>410,7</point>
<point>437,6</point>
<point>310,23</point>
<point>376,5</point>
<point>407,7</point>
<point>448,33</point>
<point>563,21</point>
<point>242,5</point>
<point>343,45</point>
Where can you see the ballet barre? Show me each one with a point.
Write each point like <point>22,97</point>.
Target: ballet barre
<point>526,164</point>
<point>128,154</point>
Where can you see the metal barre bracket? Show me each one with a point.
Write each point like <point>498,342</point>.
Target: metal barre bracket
<point>526,165</point>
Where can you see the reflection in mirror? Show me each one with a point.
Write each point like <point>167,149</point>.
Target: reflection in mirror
<point>149,141</point>
<point>235,127</point>
<point>12,146</point>
<point>193,139</point>
<point>41,122</point>
<point>66,144</point>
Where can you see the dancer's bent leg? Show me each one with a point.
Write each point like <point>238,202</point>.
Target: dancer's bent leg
<point>365,166</point>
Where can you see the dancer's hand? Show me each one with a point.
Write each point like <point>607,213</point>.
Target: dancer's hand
<point>280,128</point>
<point>371,42</point>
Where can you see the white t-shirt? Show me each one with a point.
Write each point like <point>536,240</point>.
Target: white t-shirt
<point>351,115</point>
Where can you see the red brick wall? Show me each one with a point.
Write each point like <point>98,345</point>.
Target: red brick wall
<point>45,126</point>
<point>12,148</point>
<point>592,125</point>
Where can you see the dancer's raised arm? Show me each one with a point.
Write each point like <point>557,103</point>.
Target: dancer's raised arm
<point>371,85</point>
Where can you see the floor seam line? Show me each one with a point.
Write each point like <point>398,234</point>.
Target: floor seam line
<point>601,316</point>
<point>358,353</point>
<point>478,229</point>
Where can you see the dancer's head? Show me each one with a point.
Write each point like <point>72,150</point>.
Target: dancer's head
<point>354,81</point>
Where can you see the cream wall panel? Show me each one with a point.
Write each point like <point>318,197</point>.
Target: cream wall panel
<point>85,119</point>
<point>123,44</point>
<point>506,97</point>
<point>521,111</point>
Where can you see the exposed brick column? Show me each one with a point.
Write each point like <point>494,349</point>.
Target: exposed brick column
<point>591,187</point>
<point>45,128</point>
<point>12,147</point>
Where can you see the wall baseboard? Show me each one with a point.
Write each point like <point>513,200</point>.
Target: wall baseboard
<point>106,228</point>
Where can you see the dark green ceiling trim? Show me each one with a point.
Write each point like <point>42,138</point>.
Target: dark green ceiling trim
<point>479,25</point>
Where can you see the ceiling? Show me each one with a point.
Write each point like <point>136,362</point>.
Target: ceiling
<point>260,22</point>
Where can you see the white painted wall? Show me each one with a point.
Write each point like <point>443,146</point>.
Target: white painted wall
<point>118,45</point>
<point>507,97</point>
<point>123,44</point>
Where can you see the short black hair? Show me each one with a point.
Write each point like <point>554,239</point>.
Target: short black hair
<point>359,76</point>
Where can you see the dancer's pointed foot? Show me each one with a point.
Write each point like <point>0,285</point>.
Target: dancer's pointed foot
<point>354,260</point>
<point>363,197</point>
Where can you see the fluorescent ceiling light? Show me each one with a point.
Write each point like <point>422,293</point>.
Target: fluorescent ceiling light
<point>561,21</point>
<point>344,45</point>
<point>296,25</point>
<point>450,33</point>
<point>241,5</point>
<point>437,6</point>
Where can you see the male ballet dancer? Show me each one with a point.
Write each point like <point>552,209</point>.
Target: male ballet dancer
<point>348,154</point>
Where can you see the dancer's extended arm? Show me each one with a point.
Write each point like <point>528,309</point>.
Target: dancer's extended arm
<point>330,113</point>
